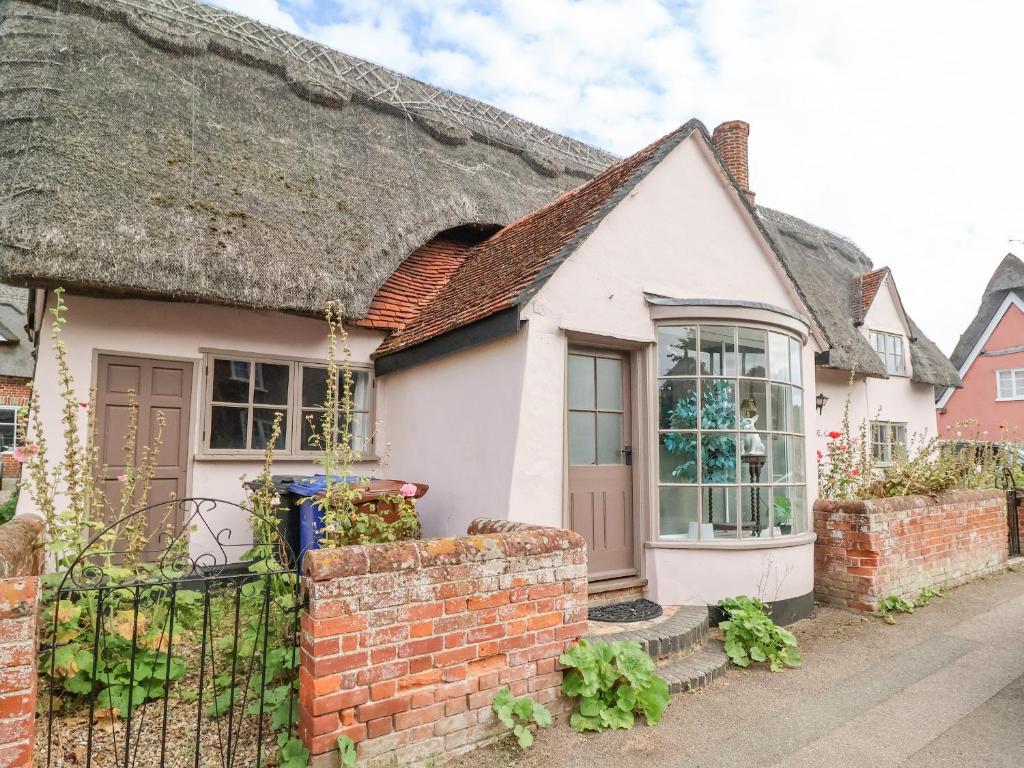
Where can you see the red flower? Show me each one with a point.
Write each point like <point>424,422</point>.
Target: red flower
<point>820,456</point>
<point>835,435</point>
<point>856,472</point>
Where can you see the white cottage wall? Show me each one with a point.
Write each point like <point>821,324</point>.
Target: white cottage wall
<point>680,233</point>
<point>181,330</point>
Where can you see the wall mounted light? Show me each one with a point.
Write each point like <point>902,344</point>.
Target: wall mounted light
<point>819,402</point>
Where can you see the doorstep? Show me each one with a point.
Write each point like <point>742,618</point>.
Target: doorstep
<point>678,641</point>
<point>615,590</point>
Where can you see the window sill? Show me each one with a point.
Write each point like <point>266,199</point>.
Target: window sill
<point>259,457</point>
<point>798,540</point>
<point>1009,399</point>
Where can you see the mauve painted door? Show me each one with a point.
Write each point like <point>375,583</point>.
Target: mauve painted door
<point>159,386</point>
<point>600,461</point>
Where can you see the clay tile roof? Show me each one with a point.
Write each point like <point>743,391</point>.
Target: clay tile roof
<point>510,267</point>
<point>416,281</point>
<point>867,287</point>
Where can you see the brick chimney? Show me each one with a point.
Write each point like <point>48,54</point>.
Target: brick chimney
<point>730,140</point>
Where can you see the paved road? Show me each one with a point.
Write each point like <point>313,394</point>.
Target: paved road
<point>944,687</point>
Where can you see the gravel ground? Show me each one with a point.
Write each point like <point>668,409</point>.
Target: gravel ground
<point>942,687</point>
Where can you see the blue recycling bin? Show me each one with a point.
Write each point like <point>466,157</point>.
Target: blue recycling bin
<point>307,491</point>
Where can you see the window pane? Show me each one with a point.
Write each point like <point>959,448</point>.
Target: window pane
<point>796,410</point>
<point>270,384</point>
<point>890,343</point>
<point>678,512</point>
<point>781,461</point>
<point>753,405</point>
<point>263,427</point>
<point>314,386</point>
<point>677,404</point>
<point>360,431</point>
<point>782,409</point>
<point>360,390</point>
<point>231,381</point>
<point>677,351</point>
<point>789,510</point>
<point>754,458</point>
<point>310,427</point>
<point>778,356</point>
<point>718,404</point>
<point>718,458</point>
<point>582,446</point>
<point>609,384</point>
<point>797,459</point>
<point>7,436</point>
<point>228,427</point>
<point>8,415</point>
<point>752,350</point>
<point>717,350</point>
<point>720,510</point>
<point>609,438</point>
<point>581,381</point>
<point>794,361</point>
<point>1017,385</point>
<point>677,457</point>
<point>756,500</point>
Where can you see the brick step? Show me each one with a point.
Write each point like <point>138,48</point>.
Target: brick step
<point>695,670</point>
<point>674,636</point>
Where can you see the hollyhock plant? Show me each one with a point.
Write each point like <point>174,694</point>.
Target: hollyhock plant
<point>408,490</point>
<point>23,453</point>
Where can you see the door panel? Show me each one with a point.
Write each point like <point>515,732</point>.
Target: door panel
<point>600,471</point>
<point>160,387</point>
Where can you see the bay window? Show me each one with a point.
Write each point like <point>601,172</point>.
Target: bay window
<point>731,461</point>
<point>244,394</point>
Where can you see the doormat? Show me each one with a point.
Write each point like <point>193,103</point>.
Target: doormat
<point>640,609</point>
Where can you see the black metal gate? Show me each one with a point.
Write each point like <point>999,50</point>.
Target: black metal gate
<point>177,652</point>
<point>1014,497</point>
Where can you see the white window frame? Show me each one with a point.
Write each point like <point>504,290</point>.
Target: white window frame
<point>16,410</point>
<point>895,361</point>
<point>1016,384</point>
<point>884,458</point>
<point>742,485</point>
<point>292,410</point>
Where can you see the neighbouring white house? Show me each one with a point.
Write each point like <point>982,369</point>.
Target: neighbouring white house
<point>629,348</point>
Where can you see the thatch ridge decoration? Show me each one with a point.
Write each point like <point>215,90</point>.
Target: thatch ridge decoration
<point>332,77</point>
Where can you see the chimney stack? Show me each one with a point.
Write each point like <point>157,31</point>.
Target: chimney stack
<point>730,140</point>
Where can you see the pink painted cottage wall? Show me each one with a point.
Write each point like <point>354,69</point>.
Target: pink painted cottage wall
<point>977,401</point>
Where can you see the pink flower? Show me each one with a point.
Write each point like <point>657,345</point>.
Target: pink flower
<point>835,435</point>
<point>275,502</point>
<point>856,472</point>
<point>408,490</point>
<point>820,456</point>
<point>84,403</point>
<point>25,452</point>
<point>122,478</point>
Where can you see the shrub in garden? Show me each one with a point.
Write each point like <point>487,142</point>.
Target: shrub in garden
<point>751,635</point>
<point>519,714</point>
<point>614,682</point>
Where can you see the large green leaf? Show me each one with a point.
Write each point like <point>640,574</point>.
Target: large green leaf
<point>653,700</point>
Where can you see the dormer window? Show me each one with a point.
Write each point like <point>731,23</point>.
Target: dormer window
<point>889,347</point>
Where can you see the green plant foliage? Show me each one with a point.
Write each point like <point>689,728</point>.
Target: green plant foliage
<point>518,714</point>
<point>8,507</point>
<point>928,594</point>
<point>889,606</point>
<point>613,682</point>
<point>751,635</point>
<point>347,751</point>
<point>718,452</point>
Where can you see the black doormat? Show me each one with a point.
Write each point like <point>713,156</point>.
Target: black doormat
<point>640,609</point>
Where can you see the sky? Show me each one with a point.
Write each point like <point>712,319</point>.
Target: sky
<point>897,124</point>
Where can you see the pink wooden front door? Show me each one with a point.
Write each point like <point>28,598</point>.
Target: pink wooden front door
<point>600,460</point>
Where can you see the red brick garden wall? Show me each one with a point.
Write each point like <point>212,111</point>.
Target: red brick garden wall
<point>867,550</point>
<point>20,563</point>
<point>404,645</point>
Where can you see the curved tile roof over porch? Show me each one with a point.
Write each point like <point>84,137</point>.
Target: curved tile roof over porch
<point>171,149</point>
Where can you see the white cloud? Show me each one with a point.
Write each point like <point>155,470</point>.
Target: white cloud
<point>896,124</point>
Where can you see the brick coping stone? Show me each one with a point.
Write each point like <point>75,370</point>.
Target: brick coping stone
<point>486,540</point>
<point>20,546</point>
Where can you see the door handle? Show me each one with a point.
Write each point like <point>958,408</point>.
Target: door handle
<point>627,454</point>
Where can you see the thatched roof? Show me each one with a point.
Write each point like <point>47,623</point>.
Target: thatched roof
<point>170,149</point>
<point>1008,278</point>
<point>830,270</point>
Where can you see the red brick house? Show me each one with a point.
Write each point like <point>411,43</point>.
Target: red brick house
<point>990,358</point>
<point>16,366</point>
